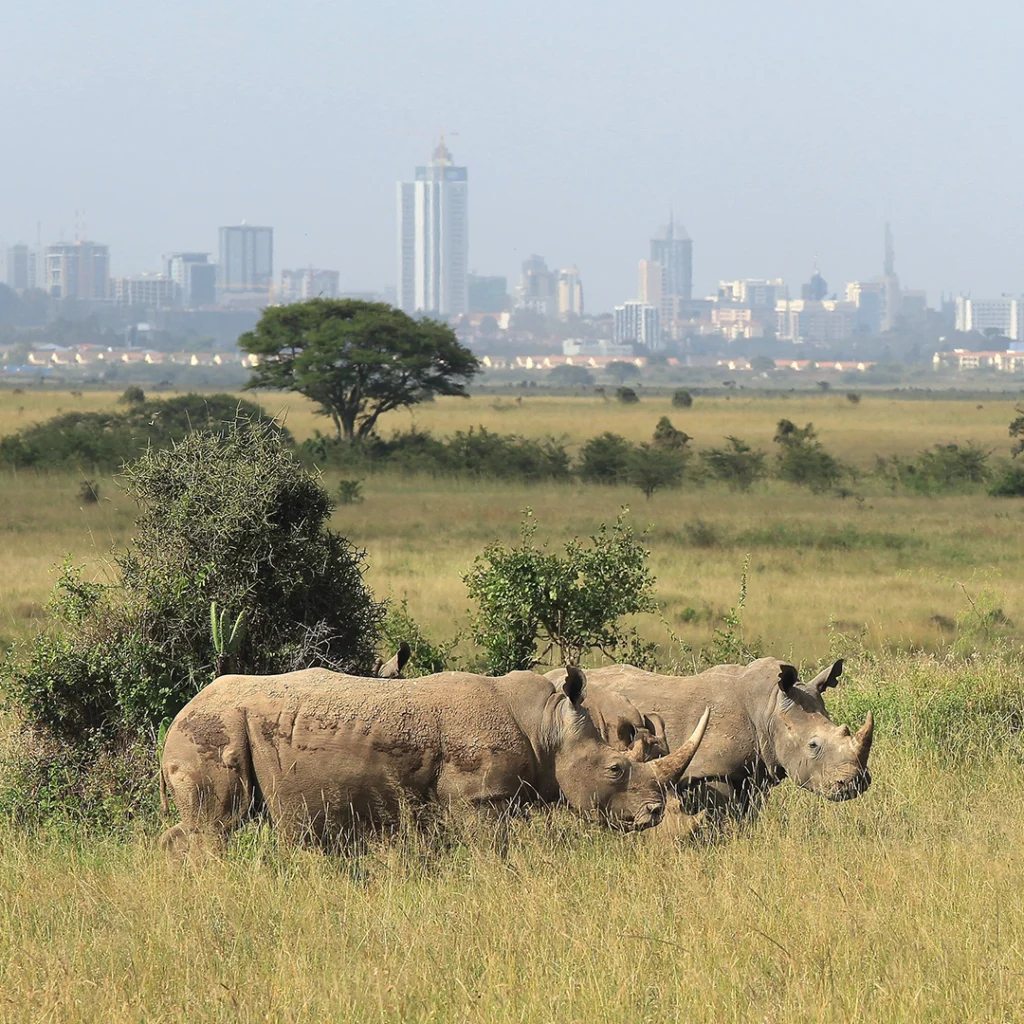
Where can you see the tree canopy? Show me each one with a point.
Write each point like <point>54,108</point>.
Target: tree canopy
<point>357,360</point>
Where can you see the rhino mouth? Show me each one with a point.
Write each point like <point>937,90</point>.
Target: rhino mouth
<point>849,789</point>
<point>649,817</point>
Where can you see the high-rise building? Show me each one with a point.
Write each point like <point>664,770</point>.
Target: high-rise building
<point>891,293</point>
<point>991,316</point>
<point>77,270</point>
<point>754,292</point>
<point>21,268</point>
<point>638,322</point>
<point>147,291</point>
<point>433,238</point>
<point>651,284</point>
<point>673,249</point>
<point>195,276</point>
<point>816,289</point>
<point>570,293</point>
<point>869,299</point>
<point>246,260</point>
<point>827,321</point>
<point>299,285</point>
<point>538,287</point>
<point>487,294</point>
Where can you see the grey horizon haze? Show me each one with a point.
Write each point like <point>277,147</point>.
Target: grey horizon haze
<point>777,133</point>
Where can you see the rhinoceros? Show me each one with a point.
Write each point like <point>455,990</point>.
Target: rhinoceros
<point>766,726</point>
<point>325,753</point>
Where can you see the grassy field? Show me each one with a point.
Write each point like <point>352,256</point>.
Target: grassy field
<point>905,904</point>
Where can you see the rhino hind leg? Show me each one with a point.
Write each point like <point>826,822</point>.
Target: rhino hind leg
<point>213,791</point>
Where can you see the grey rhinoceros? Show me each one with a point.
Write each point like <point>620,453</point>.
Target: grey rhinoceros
<point>324,752</point>
<point>765,726</point>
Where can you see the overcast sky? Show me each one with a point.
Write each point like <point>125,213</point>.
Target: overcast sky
<point>778,131</point>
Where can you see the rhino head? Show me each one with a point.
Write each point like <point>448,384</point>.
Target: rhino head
<point>599,778</point>
<point>814,752</point>
<point>622,726</point>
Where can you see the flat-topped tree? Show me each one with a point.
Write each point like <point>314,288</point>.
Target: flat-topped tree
<point>357,360</point>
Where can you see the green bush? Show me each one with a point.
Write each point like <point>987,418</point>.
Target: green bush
<point>95,441</point>
<point>682,399</point>
<point>605,459</point>
<point>350,492</point>
<point>652,468</point>
<point>803,460</point>
<point>569,604</point>
<point>568,376</point>
<point>667,437</point>
<point>228,518</point>
<point>942,468</point>
<point>738,465</point>
<point>1009,483</point>
<point>627,396</point>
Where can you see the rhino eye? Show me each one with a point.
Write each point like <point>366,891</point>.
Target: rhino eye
<point>815,746</point>
<point>616,770</point>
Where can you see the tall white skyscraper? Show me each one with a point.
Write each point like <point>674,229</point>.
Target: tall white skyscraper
<point>246,259</point>
<point>433,238</point>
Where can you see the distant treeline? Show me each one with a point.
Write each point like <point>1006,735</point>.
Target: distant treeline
<point>104,441</point>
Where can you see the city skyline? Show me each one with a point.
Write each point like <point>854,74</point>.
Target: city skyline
<point>766,162</point>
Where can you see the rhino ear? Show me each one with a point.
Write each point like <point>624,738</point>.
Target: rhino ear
<point>827,677</point>
<point>404,654</point>
<point>575,685</point>
<point>788,676</point>
<point>657,726</point>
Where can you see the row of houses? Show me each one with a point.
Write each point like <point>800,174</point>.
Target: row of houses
<point>51,356</point>
<point>961,359</point>
<point>549,362</point>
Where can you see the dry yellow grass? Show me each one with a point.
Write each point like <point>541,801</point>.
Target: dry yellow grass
<point>904,905</point>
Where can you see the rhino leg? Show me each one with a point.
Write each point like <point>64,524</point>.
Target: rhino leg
<point>208,773</point>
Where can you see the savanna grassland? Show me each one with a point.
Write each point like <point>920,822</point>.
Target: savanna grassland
<point>907,904</point>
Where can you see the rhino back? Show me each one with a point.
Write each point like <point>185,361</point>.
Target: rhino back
<point>730,743</point>
<point>362,746</point>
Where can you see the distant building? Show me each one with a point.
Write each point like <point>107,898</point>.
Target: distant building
<point>570,293</point>
<point>892,295</point>
<point>246,261</point>
<point>149,291</point>
<point>990,316</point>
<point>21,268</point>
<point>868,298</point>
<point>816,289</point>
<point>753,292</point>
<point>433,238</point>
<point>737,322</point>
<point>596,347</point>
<point>827,321</point>
<point>488,294</point>
<point>673,249</point>
<point>299,285</point>
<point>651,287</point>
<point>538,287</point>
<point>77,270</point>
<point>195,276</point>
<point>1008,361</point>
<point>638,322</point>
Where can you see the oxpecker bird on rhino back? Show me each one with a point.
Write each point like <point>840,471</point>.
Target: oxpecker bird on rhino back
<point>325,753</point>
<point>765,726</point>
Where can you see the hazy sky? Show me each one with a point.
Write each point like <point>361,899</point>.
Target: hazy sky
<point>776,130</point>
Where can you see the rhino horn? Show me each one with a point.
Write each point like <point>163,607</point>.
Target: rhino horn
<point>669,769</point>
<point>863,738</point>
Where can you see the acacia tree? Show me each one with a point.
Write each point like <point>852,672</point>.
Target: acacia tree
<point>357,360</point>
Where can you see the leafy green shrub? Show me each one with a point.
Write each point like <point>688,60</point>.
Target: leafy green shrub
<point>227,518</point>
<point>1009,483</point>
<point>942,468</point>
<point>702,534</point>
<point>627,396</point>
<point>93,441</point>
<point>738,465</point>
<point>605,459</point>
<point>652,468</point>
<point>89,492</point>
<point>399,626</point>
<point>350,492</point>
<point>568,376</point>
<point>667,437</point>
<point>803,460</point>
<point>569,603</point>
<point>682,399</point>
<point>133,395</point>
<point>853,398</point>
